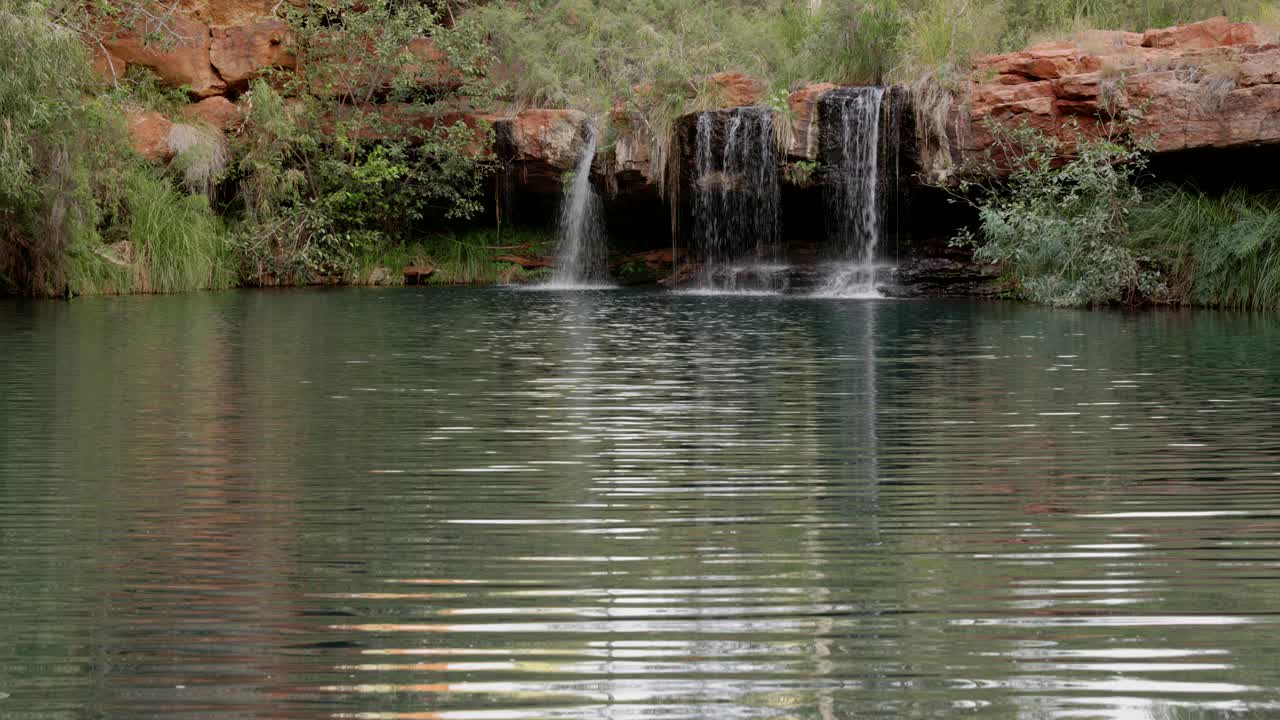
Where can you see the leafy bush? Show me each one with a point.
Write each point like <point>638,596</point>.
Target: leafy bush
<point>1059,224</point>
<point>369,152</point>
<point>70,183</point>
<point>589,53</point>
<point>1078,229</point>
<point>56,151</point>
<point>179,244</point>
<point>469,258</point>
<point>801,173</point>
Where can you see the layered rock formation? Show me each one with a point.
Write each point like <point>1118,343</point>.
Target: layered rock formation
<point>1213,84</point>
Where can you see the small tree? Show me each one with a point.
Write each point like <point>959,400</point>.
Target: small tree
<point>1058,221</point>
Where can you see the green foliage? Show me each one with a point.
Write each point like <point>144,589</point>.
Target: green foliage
<point>1059,224</point>
<point>585,54</point>
<point>469,258</point>
<point>801,173</point>
<point>369,155</point>
<point>940,37</point>
<point>855,42</point>
<point>165,241</point>
<point>69,182</point>
<point>92,271</point>
<point>590,53</point>
<point>60,151</point>
<point>139,87</point>
<point>179,244</point>
<point>1221,251</point>
<point>1026,18</point>
<point>370,152</point>
<point>1079,230</point>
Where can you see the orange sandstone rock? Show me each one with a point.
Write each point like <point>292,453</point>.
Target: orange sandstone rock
<point>241,53</point>
<point>803,104</point>
<point>149,135</point>
<point>179,55</point>
<point>549,136</point>
<point>217,112</point>
<point>1164,82</point>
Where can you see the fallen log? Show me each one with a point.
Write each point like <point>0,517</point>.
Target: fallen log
<point>524,262</point>
<point>417,274</point>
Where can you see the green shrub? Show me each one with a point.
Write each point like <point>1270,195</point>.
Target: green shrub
<point>1059,224</point>
<point>469,258</point>
<point>56,146</point>
<point>365,156</point>
<point>70,183</point>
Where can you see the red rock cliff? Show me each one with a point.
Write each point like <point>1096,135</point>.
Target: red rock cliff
<point>1212,84</point>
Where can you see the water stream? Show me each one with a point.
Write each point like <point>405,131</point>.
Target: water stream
<point>581,260</point>
<point>853,191</point>
<point>737,202</point>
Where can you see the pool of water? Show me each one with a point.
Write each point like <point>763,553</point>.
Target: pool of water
<point>492,504</point>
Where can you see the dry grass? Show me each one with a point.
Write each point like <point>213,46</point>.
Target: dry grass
<point>201,156</point>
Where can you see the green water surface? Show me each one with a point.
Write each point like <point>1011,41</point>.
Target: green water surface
<point>495,504</point>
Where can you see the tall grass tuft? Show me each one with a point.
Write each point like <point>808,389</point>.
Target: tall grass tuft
<point>92,269</point>
<point>469,258</point>
<point>179,244</point>
<point>1221,251</point>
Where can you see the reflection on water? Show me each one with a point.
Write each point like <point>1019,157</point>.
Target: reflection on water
<point>496,504</point>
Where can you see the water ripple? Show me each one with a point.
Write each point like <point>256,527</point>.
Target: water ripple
<point>502,505</point>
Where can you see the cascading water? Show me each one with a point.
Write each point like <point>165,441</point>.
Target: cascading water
<point>853,191</point>
<point>736,202</point>
<point>581,260</point>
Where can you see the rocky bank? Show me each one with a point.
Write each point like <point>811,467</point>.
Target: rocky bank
<point>1209,86</point>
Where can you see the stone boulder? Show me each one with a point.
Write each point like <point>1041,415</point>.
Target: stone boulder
<point>179,55</point>
<point>149,135</point>
<point>631,161</point>
<point>1034,65</point>
<point>805,131</point>
<point>241,53</point>
<point>1211,33</point>
<point>730,89</point>
<point>719,91</point>
<point>216,112</point>
<point>540,146</point>
<point>551,137</point>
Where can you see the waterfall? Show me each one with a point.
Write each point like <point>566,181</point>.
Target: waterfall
<point>736,202</point>
<point>852,119</point>
<point>582,254</point>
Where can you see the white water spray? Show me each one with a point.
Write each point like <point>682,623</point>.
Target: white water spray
<point>854,196</point>
<point>736,210</point>
<point>581,260</point>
